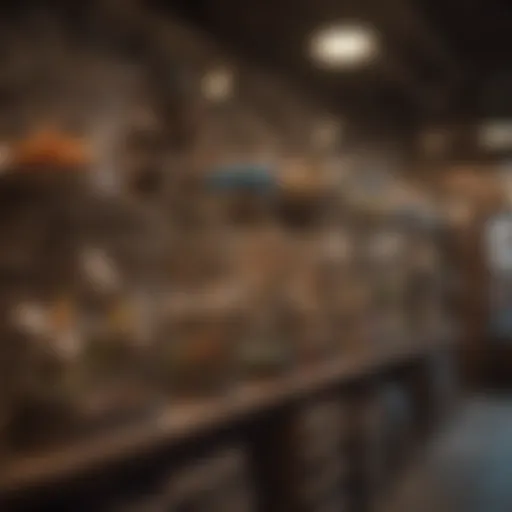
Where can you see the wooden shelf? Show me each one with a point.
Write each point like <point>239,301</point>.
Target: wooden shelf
<point>177,423</point>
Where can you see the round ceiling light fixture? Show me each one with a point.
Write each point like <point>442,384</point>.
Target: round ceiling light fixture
<point>343,46</point>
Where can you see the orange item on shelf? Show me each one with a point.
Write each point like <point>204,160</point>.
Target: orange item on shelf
<point>49,147</point>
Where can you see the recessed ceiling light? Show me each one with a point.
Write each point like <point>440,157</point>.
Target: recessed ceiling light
<point>345,45</point>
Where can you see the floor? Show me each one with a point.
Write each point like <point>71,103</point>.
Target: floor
<point>468,467</point>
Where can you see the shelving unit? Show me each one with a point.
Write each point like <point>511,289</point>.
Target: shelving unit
<point>215,282</point>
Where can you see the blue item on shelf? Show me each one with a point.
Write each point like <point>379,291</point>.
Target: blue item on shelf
<point>242,177</point>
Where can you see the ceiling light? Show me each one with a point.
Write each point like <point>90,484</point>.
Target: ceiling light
<point>217,84</point>
<point>343,46</point>
<point>496,135</point>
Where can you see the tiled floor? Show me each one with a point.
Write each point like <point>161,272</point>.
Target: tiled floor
<point>468,467</point>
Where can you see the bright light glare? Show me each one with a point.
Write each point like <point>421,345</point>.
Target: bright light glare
<point>343,46</point>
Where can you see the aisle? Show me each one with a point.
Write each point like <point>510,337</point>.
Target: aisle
<point>468,468</point>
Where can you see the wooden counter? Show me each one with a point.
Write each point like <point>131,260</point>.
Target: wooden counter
<point>175,426</point>
<point>179,423</point>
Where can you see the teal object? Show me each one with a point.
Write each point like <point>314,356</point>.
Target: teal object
<point>242,177</point>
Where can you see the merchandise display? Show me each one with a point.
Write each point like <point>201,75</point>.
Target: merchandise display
<point>239,296</point>
<point>73,323</point>
<point>203,267</point>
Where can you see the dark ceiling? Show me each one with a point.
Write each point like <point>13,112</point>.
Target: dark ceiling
<point>480,34</point>
<point>439,57</point>
<point>440,60</point>
<point>478,30</point>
